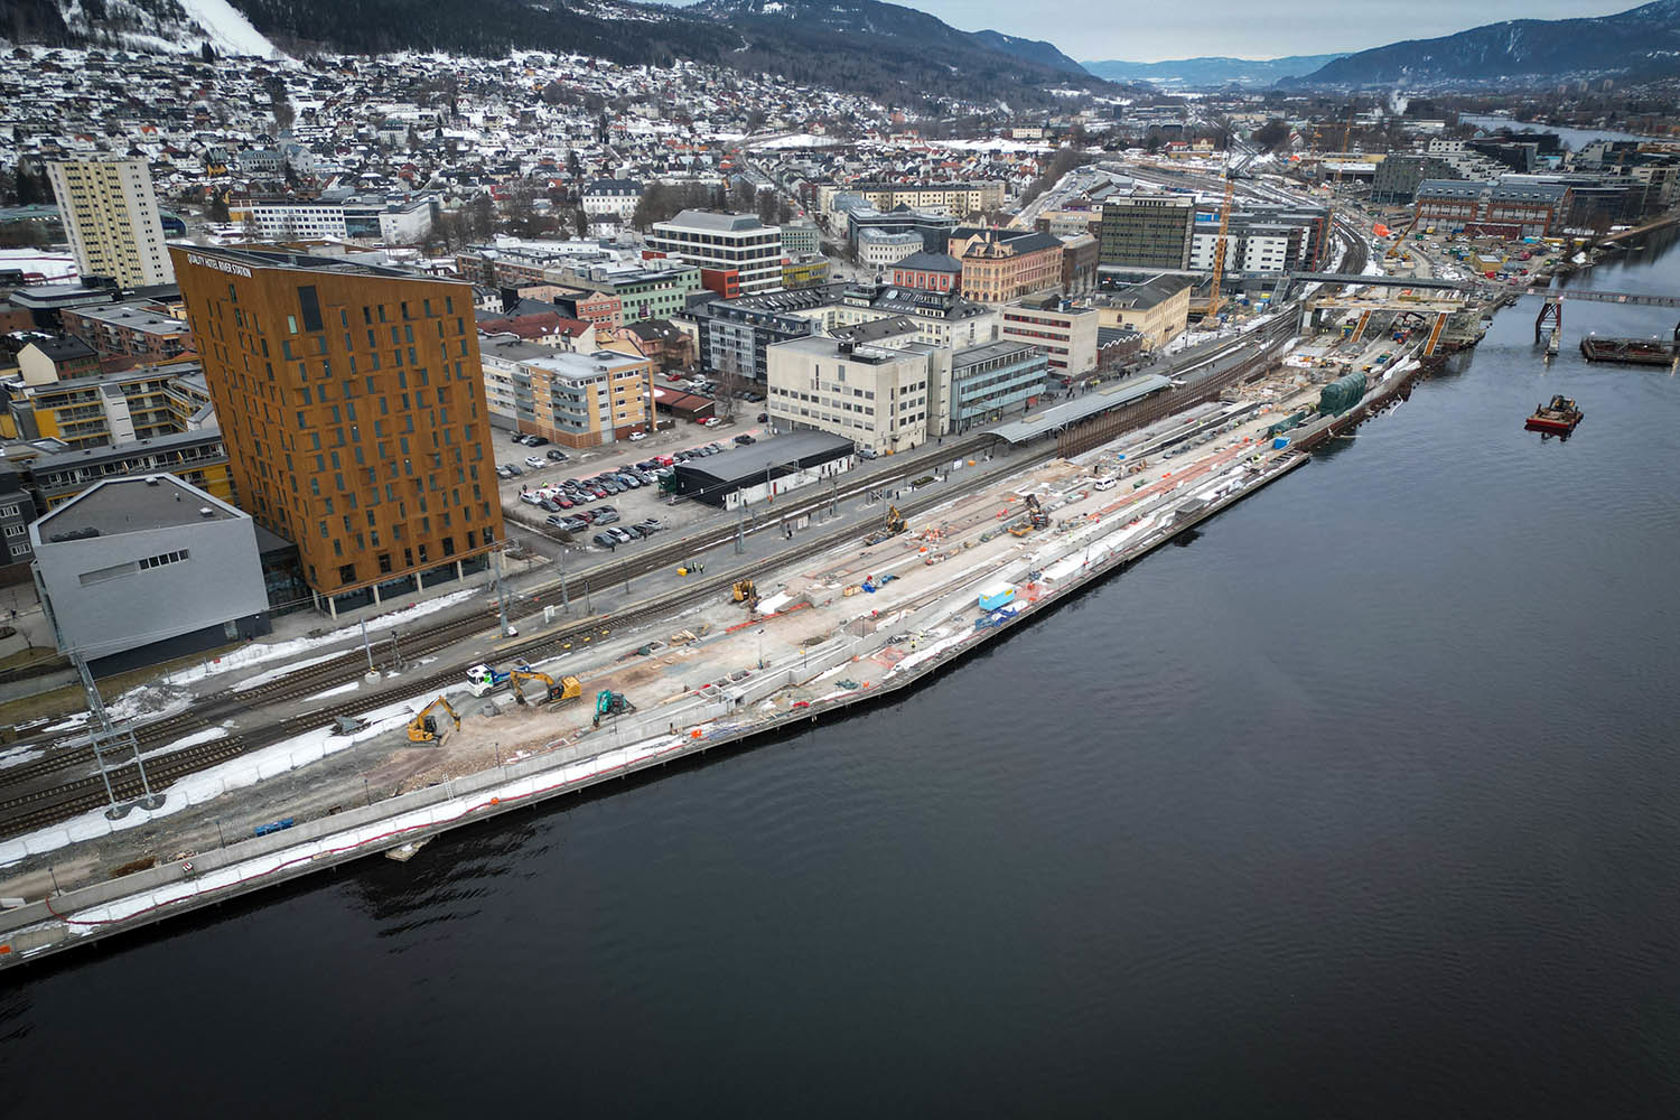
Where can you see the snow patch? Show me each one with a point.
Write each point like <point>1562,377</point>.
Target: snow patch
<point>230,32</point>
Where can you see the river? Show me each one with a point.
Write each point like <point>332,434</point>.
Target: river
<point>1363,803</point>
<point>1573,138</point>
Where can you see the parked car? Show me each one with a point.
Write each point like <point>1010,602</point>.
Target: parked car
<point>535,441</point>
<point>504,472</point>
<point>531,499</point>
<point>711,421</point>
<point>622,536</point>
<point>649,525</point>
<point>535,462</point>
<point>513,470</point>
<point>605,517</point>
<point>557,455</point>
<point>637,436</point>
<point>570,524</point>
<point>764,418</point>
<point>517,438</point>
<point>587,516</point>
<point>558,522</point>
<point>743,439</point>
<point>867,453</point>
<point>550,505</point>
<point>605,540</point>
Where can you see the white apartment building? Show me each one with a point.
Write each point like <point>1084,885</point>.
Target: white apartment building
<point>111,220</point>
<point>611,199</point>
<point>879,250</point>
<point>724,241</point>
<point>875,396</point>
<point>1256,249</point>
<point>298,221</point>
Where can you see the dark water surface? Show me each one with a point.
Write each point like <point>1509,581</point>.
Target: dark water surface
<point>1364,804</point>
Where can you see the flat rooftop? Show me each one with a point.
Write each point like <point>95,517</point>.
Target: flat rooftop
<point>303,262</point>
<point>134,505</point>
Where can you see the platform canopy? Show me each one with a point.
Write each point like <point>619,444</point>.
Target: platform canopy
<point>1083,407</point>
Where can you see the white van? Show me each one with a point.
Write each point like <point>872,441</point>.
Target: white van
<point>1106,484</point>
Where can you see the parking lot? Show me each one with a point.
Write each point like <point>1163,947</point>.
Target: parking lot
<point>630,492</point>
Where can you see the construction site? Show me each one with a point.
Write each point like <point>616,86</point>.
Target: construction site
<point>780,646</point>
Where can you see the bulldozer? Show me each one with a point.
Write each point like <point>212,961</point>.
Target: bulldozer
<point>609,705</point>
<point>566,688</point>
<point>746,592</point>
<point>424,729</point>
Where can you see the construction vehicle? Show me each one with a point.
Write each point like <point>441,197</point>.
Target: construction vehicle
<point>566,688</point>
<point>894,526</point>
<point>746,592</point>
<point>483,680</point>
<point>424,728</point>
<point>1398,248</point>
<point>610,705</point>
<point>1035,518</point>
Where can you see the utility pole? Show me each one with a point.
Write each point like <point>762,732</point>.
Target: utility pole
<point>501,597</point>
<point>368,649</point>
<point>104,737</point>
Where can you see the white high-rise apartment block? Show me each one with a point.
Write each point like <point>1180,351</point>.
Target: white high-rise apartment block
<point>724,241</point>
<point>111,217</point>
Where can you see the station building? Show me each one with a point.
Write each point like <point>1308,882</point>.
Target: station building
<point>765,470</point>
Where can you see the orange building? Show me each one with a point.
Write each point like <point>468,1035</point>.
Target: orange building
<point>1001,265</point>
<point>352,404</point>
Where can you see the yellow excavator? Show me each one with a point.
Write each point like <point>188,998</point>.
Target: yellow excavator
<point>746,592</point>
<point>424,729</point>
<point>894,526</point>
<point>566,688</point>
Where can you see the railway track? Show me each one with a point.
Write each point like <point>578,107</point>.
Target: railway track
<point>42,806</point>
<point>46,805</point>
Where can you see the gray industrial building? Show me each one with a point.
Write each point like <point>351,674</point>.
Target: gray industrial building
<point>137,570</point>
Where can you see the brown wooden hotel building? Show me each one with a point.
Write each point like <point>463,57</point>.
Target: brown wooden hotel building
<point>352,404</point>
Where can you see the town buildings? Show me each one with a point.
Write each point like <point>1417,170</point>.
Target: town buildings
<point>136,329</point>
<point>932,272</point>
<point>1157,309</point>
<point>1498,209</point>
<point>352,404</point>
<point>111,219</point>
<point>578,400</point>
<point>873,395</point>
<point>1002,265</point>
<point>611,200</point>
<point>959,199</point>
<point>724,241</point>
<point>1065,334</point>
<point>297,221</point>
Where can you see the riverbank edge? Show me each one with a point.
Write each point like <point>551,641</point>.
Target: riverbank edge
<point>42,929</point>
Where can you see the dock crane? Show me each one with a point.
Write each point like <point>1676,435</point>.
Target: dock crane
<point>1219,245</point>
<point>424,729</point>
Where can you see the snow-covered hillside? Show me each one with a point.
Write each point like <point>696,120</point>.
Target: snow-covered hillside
<point>166,25</point>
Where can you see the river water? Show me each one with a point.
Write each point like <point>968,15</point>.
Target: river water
<point>1364,803</point>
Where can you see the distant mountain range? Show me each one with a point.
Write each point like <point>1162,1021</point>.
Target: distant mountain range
<point>1212,72</point>
<point>897,54</point>
<point>1640,42</point>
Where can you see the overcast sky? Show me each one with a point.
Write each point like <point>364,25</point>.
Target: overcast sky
<point>1149,30</point>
